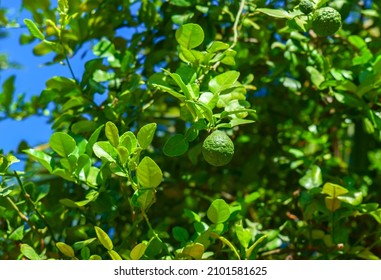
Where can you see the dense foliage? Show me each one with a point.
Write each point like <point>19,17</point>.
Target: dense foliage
<point>123,174</point>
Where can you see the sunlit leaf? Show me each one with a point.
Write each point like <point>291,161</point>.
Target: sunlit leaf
<point>62,143</point>
<point>103,238</point>
<point>334,190</point>
<point>149,173</point>
<point>146,134</point>
<point>29,252</point>
<point>138,251</point>
<point>112,134</point>
<point>33,29</point>
<point>277,13</point>
<point>312,178</point>
<point>218,212</point>
<point>190,35</point>
<point>65,249</point>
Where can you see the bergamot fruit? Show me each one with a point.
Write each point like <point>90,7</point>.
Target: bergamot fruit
<point>218,149</point>
<point>326,21</point>
<point>306,7</point>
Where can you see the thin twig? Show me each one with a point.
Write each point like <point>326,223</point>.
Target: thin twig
<point>235,26</point>
<point>29,200</point>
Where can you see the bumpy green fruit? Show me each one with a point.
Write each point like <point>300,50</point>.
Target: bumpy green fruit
<point>326,21</point>
<point>306,6</point>
<point>218,149</point>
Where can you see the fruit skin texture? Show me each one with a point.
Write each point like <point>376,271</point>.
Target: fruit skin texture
<point>306,6</point>
<point>326,21</point>
<point>218,148</point>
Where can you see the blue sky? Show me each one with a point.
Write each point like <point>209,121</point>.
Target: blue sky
<point>30,80</point>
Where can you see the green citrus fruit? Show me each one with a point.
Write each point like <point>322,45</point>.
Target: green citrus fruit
<point>218,149</point>
<point>306,6</point>
<point>326,21</point>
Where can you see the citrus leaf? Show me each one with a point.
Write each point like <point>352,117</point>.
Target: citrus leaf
<point>112,134</point>
<point>65,249</point>
<point>29,252</point>
<point>176,146</point>
<point>17,234</point>
<point>218,212</point>
<point>41,157</point>
<point>190,35</point>
<point>333,190</point>
<point>275,13</point>
<point>149,173</point>
<point>180,234</point>
<point>332,203</point>
<point>105,151</point>
<point>223,81</point>
<point>103,238</point>
<point>138,251</point>
<point>312,178</point>
<point>195,250</point>
<point>33,29</point>
<point>93,138</point>
<point>114,255</point>
<point>62,143</point>
<point>128,140</point>
<point>146,134</point>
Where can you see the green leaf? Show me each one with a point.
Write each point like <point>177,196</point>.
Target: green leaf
<point>105,151</point>
<point>190,35</point>
<point>65,249</point>
<point>149,173</point>
<point>143,198</point>
<point>218,212</point>
<point>114,255</point>
<point>17,234</point>
<point>376,215</point>
<point>316,77</point>
<point>244,235</point>
<point>353,199</point>
<point>333,190</point>
<point>223,81</point>
<point>194,250</point>
<point>332,203</point>
<point>128,140</point>
<point>63,6</point>
<point>176,146</point>
<point>275,13</point>
<point>62,143</point>
<point>82,244</point>
<point>146,134</point>
<point>6,97</point>
<point>230,245</point>
<point>159,80</point>
<point>255,246</point>
<point>103,238</point>
<point>236,122</point>
<point>179,81</point>
<point>112,134</point>
<point>138,251</point>
<point>93,138</point>
<point>180,234</point>
<point>33,29</point>
<point>217,46</point>
<point>29,252</point>
<point>312,178</point>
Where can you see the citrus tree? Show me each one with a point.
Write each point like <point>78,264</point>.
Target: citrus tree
<point>217,130</point>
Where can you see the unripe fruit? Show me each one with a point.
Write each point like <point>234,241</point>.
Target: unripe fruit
<point>218,149</point>
<point>326,21</point>
<point>306,6</point>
